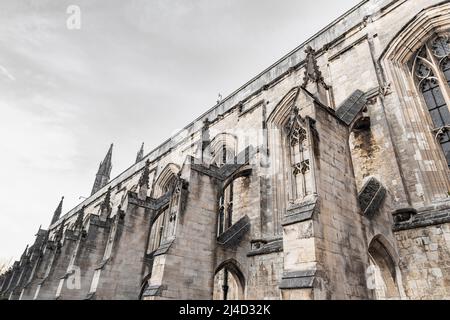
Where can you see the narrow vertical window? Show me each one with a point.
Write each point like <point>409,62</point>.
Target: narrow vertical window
<point>225,215</point>
<point>299,164</point>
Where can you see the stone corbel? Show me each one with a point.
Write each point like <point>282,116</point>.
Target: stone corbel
<point>304,279</point>
<point>262,247</point>
<point>301,212</point>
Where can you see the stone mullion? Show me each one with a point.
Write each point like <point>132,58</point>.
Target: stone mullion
<point>445,90</point>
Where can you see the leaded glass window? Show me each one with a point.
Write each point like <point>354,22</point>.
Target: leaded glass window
<point>431,69</point>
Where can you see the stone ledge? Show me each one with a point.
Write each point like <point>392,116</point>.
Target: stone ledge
<point>228,170</point>
<point>163,249</point>
<point>153,291</point>
<point>90,296</point>
<point>301,212</point>
<point>267,248</point>
<point>298,279</point>
<point>421,220</point>
<point>232,236</point>
<point>149,203</point>
<point>102,264</point>
<point>350,108</point>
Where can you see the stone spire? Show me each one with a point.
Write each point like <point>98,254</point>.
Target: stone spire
<point>106,204</point>
<point>79,222</point>
<point>312,71</point>
<point>144,181</point>
<point>140,154</point>
<point>104,171</point>
<point>314,78</point>
<point>206,140</point>
<point>58,212</point>
<point>24,254</point>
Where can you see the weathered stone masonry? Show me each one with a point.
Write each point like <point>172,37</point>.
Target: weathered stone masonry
<point>324,177</point>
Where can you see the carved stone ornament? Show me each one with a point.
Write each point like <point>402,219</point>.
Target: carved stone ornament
<point>144,179</point>
<point>296,127</point>
<point>106,204</point>
<point>301,167</point>
<point>79,222</point>
<point>59,235</point>
<point>312,71</point>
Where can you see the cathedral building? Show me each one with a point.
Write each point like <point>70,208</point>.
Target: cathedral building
<point>324,177</point>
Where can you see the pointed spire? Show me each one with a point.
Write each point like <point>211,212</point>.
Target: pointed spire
<point>104,171</point>
<point>58,212</point>
<point>312,71</point>
<point>144,181</point>
<point>140,154</point>
<point>59,234</point>
<point>79,222</point>
<point>206,139</point>
<point>24,253</point>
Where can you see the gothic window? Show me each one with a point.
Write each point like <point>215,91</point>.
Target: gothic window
<point>225,218</point>
<point>157,231</point>
<point>222,154</point>
<point>298,157</point>
<point>431,69</point>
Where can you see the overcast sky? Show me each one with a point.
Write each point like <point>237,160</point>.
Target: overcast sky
<point>135,72</point>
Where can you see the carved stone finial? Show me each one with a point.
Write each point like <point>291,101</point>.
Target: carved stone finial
<point>106,204</point>
<point>144,179</point>
<point>104,171</point>
<point>140,154</point>
<point>59,234</point>
<point>205,136</point>
<point>57,212</point>
<point>312,71</point>
<point>79,222</point>
<point>24,253</point>
<point>206,123</point>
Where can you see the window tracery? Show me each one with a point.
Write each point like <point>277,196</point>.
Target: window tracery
<point>298,151</point>
<point>431,71</point>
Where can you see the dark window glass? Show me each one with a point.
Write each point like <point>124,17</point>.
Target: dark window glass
<point>437,94</point>
<point>436,116</point>
<point>438,109</point>
<point>430,86</point>
<point>446,148</point>
<point>445,138</point>
<point>446,69</point>
<point>428,96</point>
<point>435,103</point>
<point>445,114</point>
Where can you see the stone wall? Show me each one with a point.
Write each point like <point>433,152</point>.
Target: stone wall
<point>425,261</point>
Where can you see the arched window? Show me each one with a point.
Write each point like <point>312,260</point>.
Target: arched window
<point>225,220</point>
<point>223,149</point>
<point>382,275</point>
<point>162,227</point>
<point>166,181</point>
<point>298,160</point>
<point>229,282</point>
<point>157,231</point>
<point>431,70</point>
